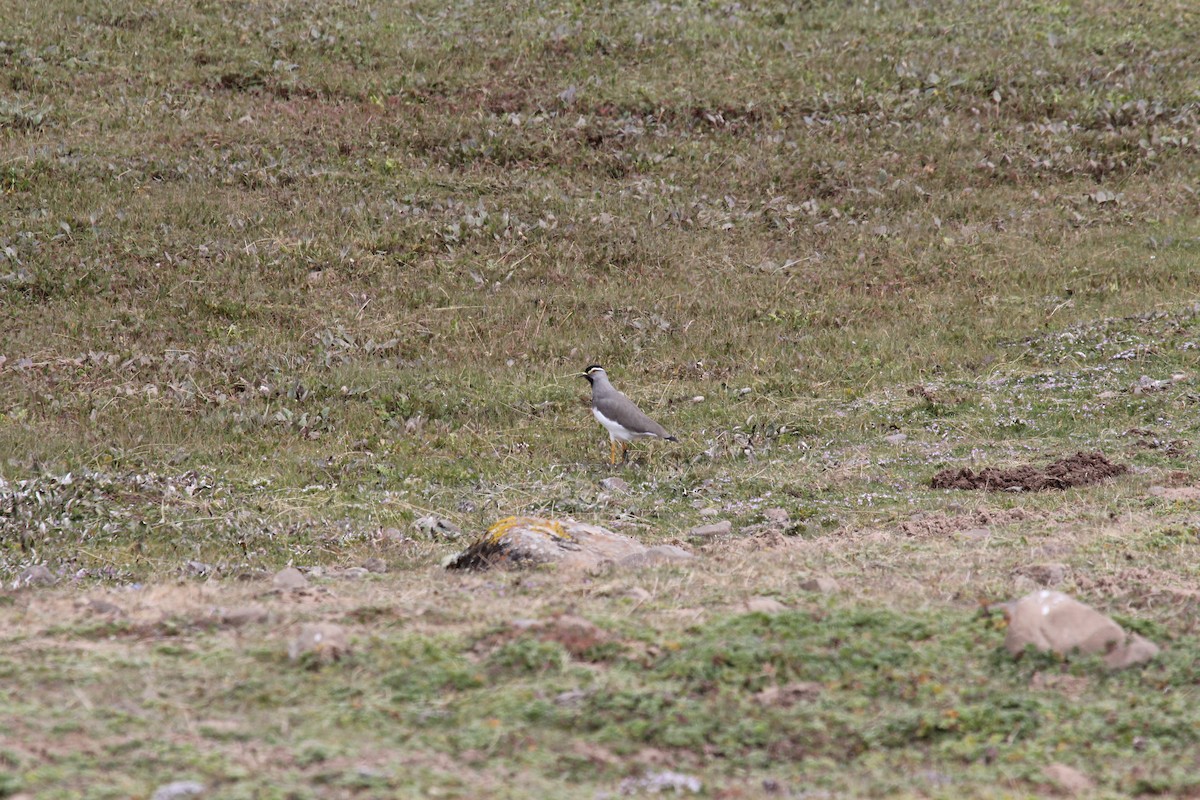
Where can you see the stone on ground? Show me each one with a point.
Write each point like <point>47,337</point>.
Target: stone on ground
<point>614,485</point>
<point>655,556</point>
<point>178,790</point>
<point>437,528</point>
<point>289,579</point>
<point>764,605</point>
<point>37,575</point>
<point>534,541</point>
<point>821,585</point>
<point>1068,780</point>
<point>1054,622</point>
<point>323,640</point>
<point>710,531</point>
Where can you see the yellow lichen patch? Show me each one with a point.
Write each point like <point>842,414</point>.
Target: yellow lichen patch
<point>550,527</point>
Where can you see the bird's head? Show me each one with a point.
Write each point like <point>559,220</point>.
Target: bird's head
<point>594,371</point>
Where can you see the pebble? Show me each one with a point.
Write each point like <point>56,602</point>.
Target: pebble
<point>289,579</point>
<point>660,554</point>
<point>37,575</point>
<point>764,605</point>
<point>709,531</point>
<point>1069,780</point>
<point>614,485</point>
<point>822,585</point>
<point>178,790</point>
<point>325,640</point>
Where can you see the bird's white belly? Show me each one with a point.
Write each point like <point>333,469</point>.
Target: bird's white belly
<point>615,431</point>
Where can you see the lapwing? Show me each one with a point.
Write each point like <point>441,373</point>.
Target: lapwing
<point>617,413</point>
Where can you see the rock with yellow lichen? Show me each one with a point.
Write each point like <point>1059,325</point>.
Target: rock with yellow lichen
<point>533,541</point>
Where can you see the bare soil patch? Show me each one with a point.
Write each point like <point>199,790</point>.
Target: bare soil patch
<point>1081,469</point>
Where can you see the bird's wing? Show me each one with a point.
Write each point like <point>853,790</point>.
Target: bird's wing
<point>620,408</point>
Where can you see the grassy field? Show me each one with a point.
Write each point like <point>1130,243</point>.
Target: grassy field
<point>279,278</point>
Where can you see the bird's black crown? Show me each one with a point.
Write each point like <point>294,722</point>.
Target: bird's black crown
<point>587,373</point>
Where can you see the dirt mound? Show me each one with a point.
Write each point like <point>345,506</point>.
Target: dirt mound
<point>1080,469</point>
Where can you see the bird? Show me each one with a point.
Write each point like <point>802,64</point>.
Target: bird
<point>621,418</point>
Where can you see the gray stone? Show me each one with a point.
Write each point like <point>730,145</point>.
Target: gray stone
<point>394,535</point>
<point>822,585</point>
<point>1051,574</point>
<point>764,605</point>
<point>355,572</point>
<point>437,528</point>
<point>975,534</point>
<point>654,556</point>
<point>199,568</point>
<point>103,608</point>
<point>242,615</point>
<point>614,485</point>
<point>178,790</point>
<point>289,579</point>
<point>37,575</point>
<point>709,512</point>
<point>638,594</point>
<point>1051,621</point>
<point>533,541</point>
<point>895,438</point>
<point>323,640</point>
<point>711,530</point>
<point>777,516</point>
<point>375,565</point>
<point>790,694</point>
<point>1068,780</point>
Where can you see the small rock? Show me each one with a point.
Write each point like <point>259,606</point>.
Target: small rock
<point>571,697</point>
<point>895,438</point>
<point>638,594</point>
<point>178,790</point>
<point>252,574</point>
<point>777,516</point>
<point>1044,574</point>
<point>709,512</point>
<point>711,530</point>
<point>394,535</point>
<point>822,585</point>
<point>764,605</point>
<point>377,565</point>
<point>355,572</point>
<point>698,398</point>
<point>661,782</point>
<point>437,528</point>
<point>1051,621</point>
<point>976,534</point>
<point>103,608</point>
<point>615,485</point>
<point>289,579</point>
<point>242,615</point>
<point>660,554</point>
<point>198,568</point>
<point>37,575</point>
<point>1069,780</point>
<point>790,694</point>
<point>326,641</point>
